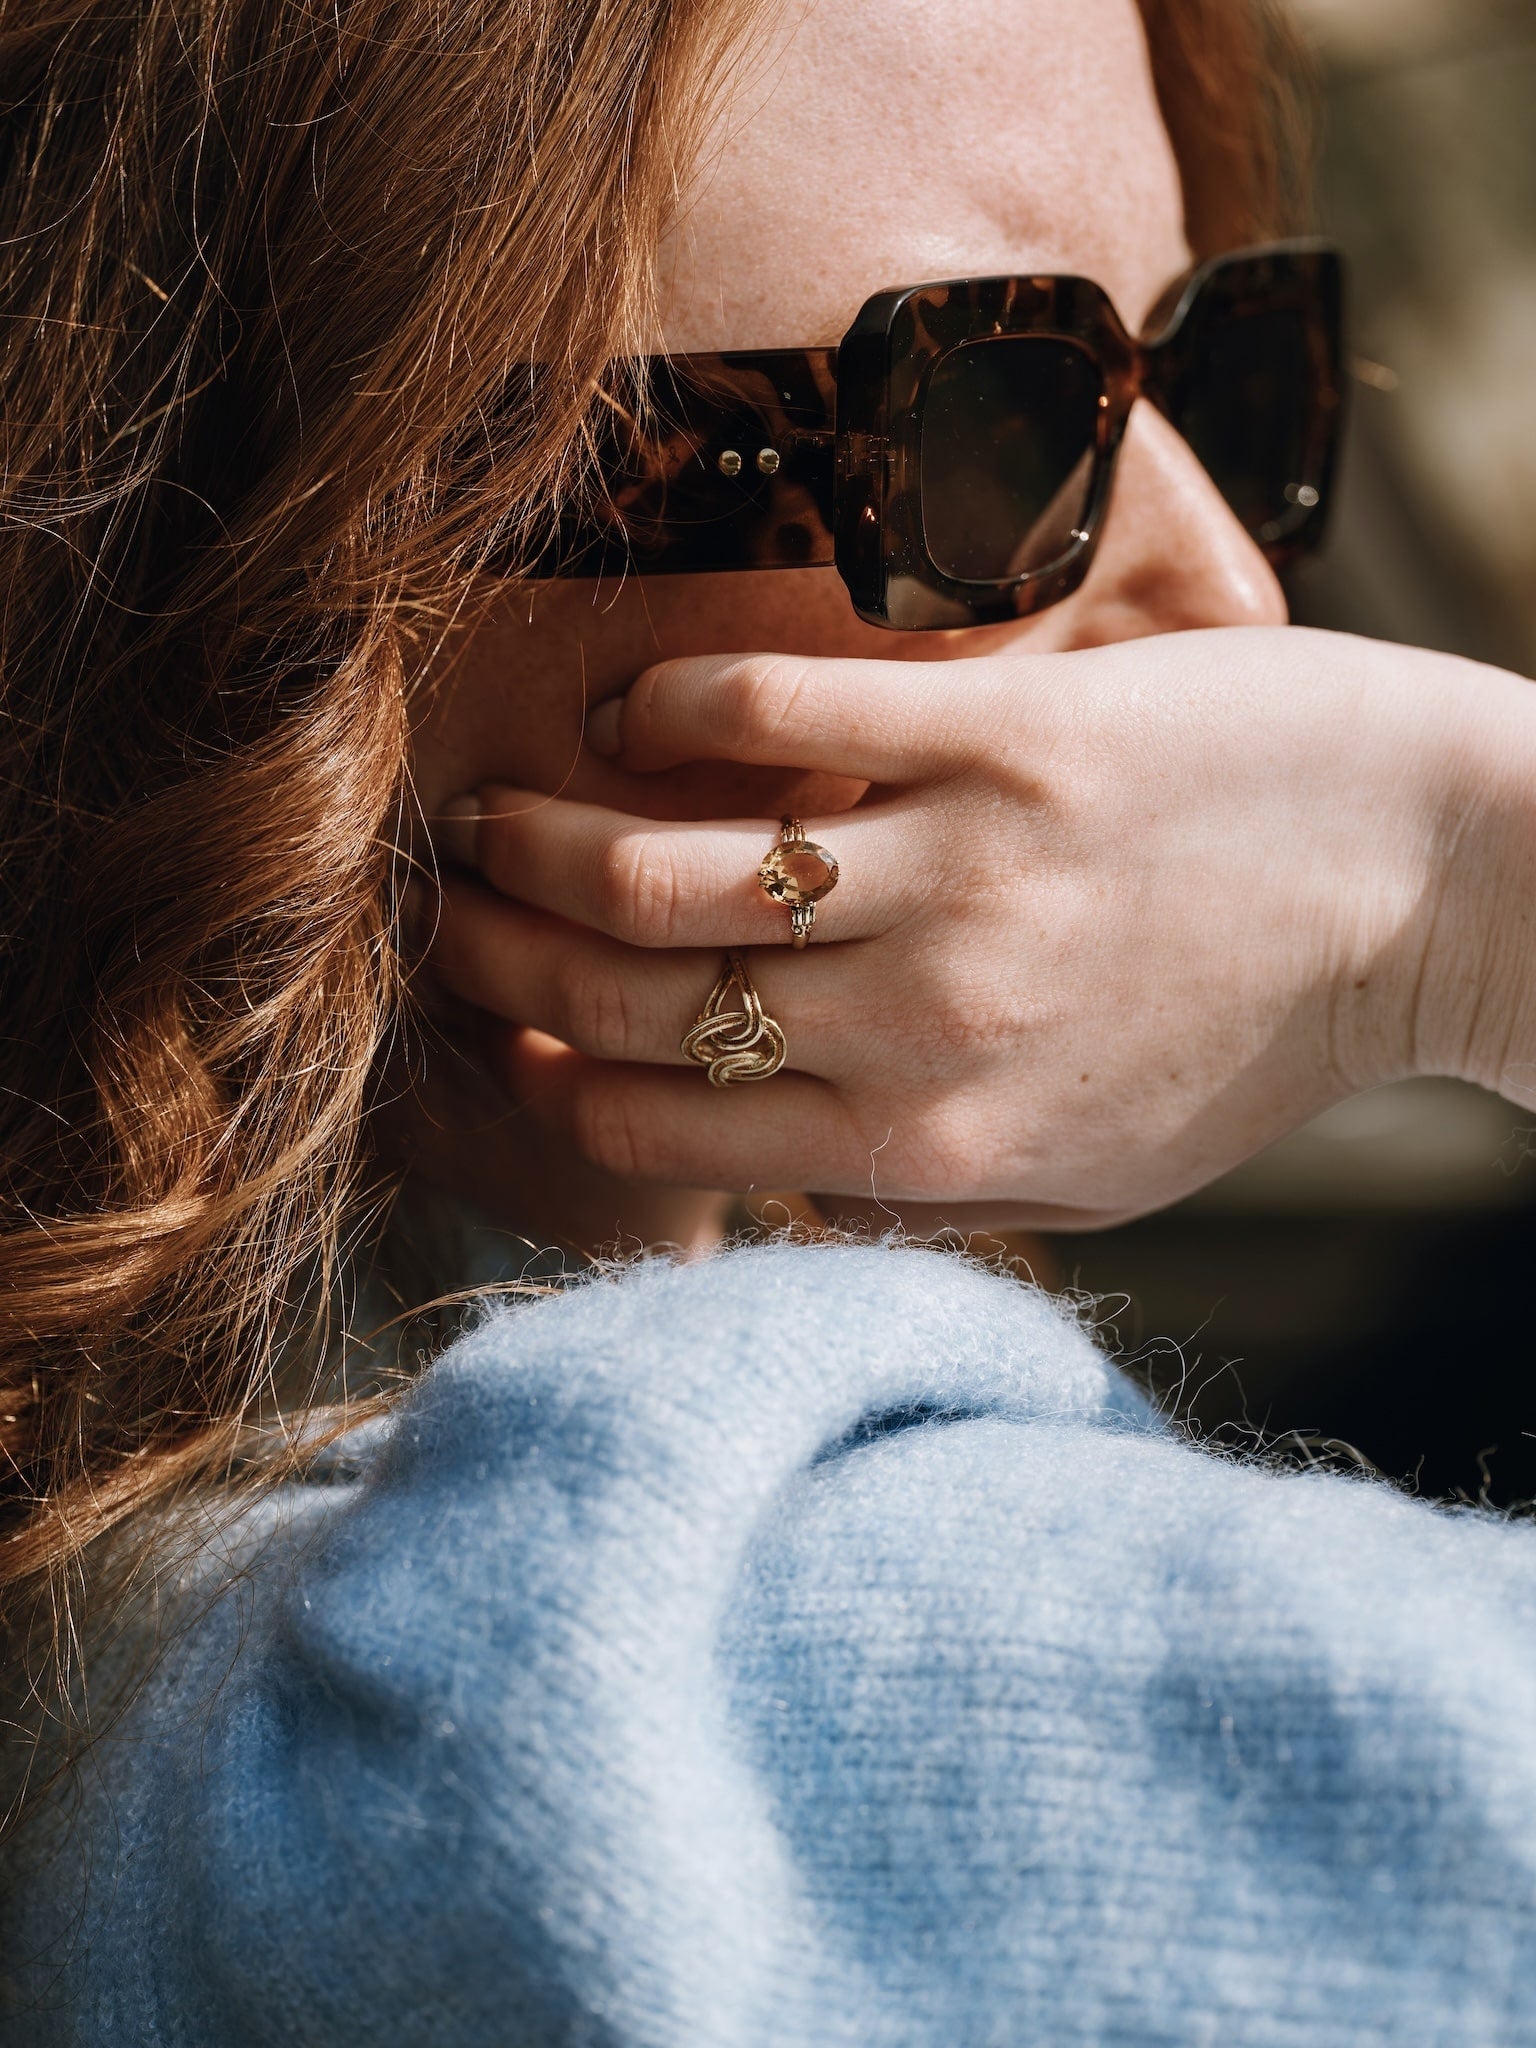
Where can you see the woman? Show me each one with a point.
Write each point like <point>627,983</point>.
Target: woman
<point>816,1642</point>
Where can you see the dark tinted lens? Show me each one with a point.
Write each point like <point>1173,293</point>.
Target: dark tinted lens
<point>1246,405</point>
<point>1006,455</point>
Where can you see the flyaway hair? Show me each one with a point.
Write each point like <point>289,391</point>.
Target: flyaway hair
<point>307,313</point>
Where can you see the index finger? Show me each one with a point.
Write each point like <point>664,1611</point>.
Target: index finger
<point>876,721</point>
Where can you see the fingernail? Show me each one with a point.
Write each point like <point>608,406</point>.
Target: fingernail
<point>603,727</point>
<point>457,830</point>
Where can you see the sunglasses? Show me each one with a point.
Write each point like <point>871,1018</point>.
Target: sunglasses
<point>954,457</point>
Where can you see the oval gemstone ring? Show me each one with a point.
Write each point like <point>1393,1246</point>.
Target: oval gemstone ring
<point>798,873</point>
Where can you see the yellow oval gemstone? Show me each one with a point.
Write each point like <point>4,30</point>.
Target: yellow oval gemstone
<point>802,873</point>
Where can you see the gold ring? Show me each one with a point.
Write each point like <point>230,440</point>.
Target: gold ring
<point>798,873</point>
<point>742,1044</point>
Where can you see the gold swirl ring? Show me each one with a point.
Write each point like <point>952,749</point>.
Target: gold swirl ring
<point>734,1044</point>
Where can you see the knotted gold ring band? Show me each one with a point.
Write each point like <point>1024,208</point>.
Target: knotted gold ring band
<point>734,1044</point>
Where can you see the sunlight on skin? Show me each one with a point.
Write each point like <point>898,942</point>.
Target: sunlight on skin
<point>846,161</point>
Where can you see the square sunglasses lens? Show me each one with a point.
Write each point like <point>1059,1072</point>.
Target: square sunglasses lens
<point>1248,404</point>
<point>1006,449</point>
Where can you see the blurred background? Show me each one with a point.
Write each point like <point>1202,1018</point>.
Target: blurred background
<point>1363,1290</point>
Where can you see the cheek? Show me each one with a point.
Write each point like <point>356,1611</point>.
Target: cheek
<point>509,706</point>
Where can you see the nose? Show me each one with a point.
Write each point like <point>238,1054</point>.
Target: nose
<point>1172,555</point>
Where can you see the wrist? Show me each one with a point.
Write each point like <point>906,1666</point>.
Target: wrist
<point>1474,1011</point>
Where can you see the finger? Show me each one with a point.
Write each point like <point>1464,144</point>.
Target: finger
<point>672,885</point>
<point>650,1123</point>
<point>878,721</point>
<point>792,1131</point>
<point>616,1002</point>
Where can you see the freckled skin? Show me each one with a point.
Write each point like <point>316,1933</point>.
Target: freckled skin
<point>831,175</point>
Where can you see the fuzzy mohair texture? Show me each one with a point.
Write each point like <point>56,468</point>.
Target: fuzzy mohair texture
<point>811,1645</point>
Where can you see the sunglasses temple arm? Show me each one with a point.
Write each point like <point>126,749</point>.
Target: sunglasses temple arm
<point>734,468</point>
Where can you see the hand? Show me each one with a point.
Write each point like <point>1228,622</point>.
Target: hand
<point>1108,922</point>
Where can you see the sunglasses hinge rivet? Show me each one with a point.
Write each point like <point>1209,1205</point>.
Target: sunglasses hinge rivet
<point>729,463</point>
<point>767,460</point>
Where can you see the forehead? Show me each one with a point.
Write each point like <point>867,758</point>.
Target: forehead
<point>872,143</point>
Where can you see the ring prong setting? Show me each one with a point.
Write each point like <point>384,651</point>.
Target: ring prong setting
<point>798,873</point>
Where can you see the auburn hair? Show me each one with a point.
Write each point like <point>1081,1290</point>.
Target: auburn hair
<point>274,275</point>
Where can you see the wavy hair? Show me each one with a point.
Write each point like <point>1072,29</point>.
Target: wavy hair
<point>273,277</point>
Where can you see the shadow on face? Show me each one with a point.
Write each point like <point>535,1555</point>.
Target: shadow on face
<point>866,144</point>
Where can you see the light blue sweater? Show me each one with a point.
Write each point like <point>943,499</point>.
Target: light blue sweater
<point>811,1646</point>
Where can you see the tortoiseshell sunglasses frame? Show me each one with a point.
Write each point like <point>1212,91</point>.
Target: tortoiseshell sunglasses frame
<point>795,458</point>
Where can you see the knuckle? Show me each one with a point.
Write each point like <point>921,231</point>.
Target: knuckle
<point>606,1132</point>
<point>596,1008</point>
<point>965,1022</point>
<point>638,890</point>
<point>948,1151</point>
<point>912,1163</point>
<point>763,701</point>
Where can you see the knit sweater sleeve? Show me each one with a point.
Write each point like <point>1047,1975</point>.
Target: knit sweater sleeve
<point>810,1645</point>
